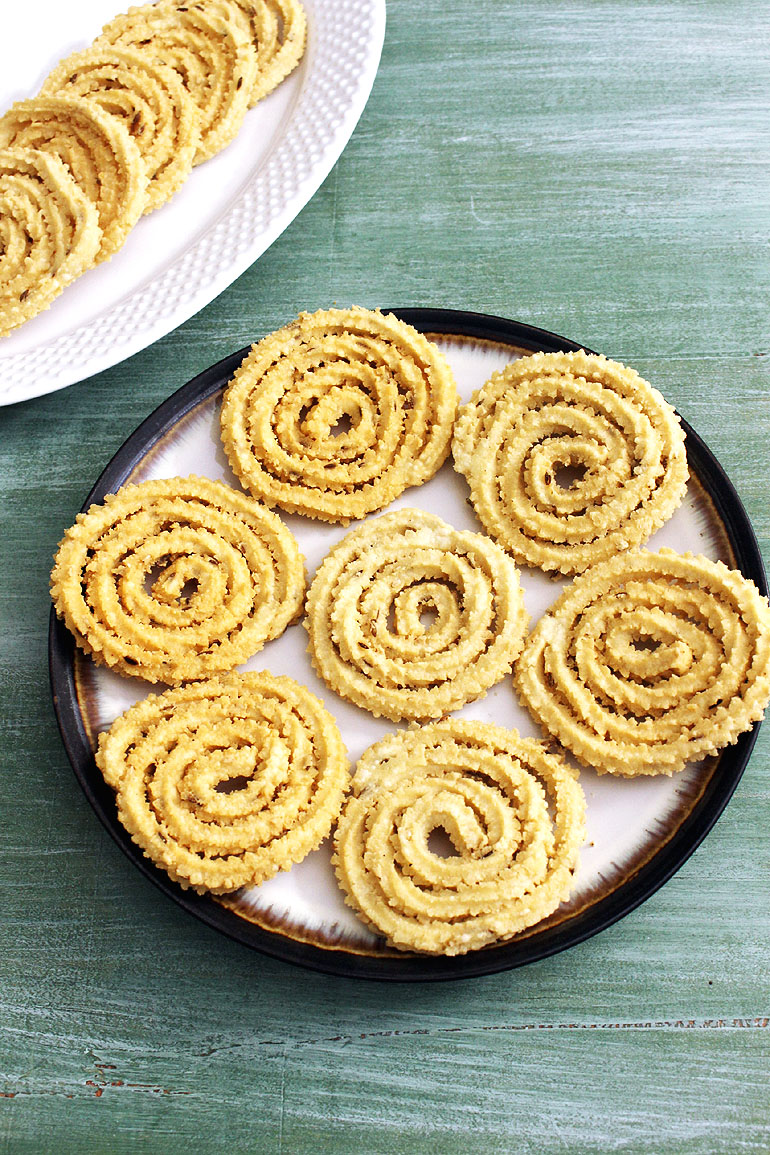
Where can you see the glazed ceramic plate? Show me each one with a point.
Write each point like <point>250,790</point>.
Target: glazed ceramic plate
<point>639,831</point>
<point>228,212</point>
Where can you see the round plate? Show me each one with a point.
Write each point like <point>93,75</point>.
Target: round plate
<point>227,213</point>
<point>640,831</point>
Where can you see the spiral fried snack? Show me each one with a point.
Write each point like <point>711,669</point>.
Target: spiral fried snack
<point>278,31</point>
<point>177,579</point>
<point>49,233</point>
<point>648,662</point>
<point>96,148</point>
<point>225,782</point>
<point>570,458</point>
<point>210,46</point>
<point>149,98</point>
<point>515,817</point>
<point>338,413</point>
<point>410,618</point>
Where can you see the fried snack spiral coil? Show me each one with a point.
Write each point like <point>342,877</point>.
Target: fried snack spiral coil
<point>411,618</point>
<point>210,47</point>
<point>96,148</point>
<point>223,783</point>
<point>570,458</point>
<point>648,662</point>
<point>515,817</point>
<point>49,233</point>
<point>278,30</point>
<point>176,579</point>
<point>149,98</point>
<point>336,414</point>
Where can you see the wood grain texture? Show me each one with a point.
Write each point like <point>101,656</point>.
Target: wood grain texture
<point>599,169</point>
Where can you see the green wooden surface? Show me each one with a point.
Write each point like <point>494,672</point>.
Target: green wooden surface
<point>599,169</point>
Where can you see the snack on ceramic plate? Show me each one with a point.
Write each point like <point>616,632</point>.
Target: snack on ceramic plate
<point>210,46</point>
<point>164,87</point>
<point>278,30</point>
<point>411,618</point>
<point>570,458</point>
<point>176,579</point>
<point>149,98</point>
<point>97,149</point>
<point>49,233</point>
<point>225,782</point>
<point>649,661</point>
<point>338,413</point>
<point>512,816</point>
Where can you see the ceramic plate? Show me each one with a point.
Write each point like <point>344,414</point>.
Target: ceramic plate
<point>228,212</point>
<point>639,830</point>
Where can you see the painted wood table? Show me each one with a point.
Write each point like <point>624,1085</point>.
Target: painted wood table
<point>597,169</point>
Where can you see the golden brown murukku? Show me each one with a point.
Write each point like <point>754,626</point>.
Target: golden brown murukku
<point>278,29</point>
<point>96,148</point>
<point>210,47</point>
<point>338,413</point>
<point>411,618</point>
<point>512,819</point>
<point>649,661</point>
<point>570,458</point>
<point>49,233</point>
<point>149,99</point>
<point>176,579</point>
<point>225,782</point>
<point>164,87</point>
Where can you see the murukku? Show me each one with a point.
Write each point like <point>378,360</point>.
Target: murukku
<point>225,782</point>
<point>570,458</point>
<point>210,46</point>
<point>649,661</point>
<point>278,29</point>
<point>177,579</point>
<point>411,618</point>
<point>96,148</point>
<point>338,413</point>
<point>149,98</point>
<point>458,835</point>
<point>49,233</point>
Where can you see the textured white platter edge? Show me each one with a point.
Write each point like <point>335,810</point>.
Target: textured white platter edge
<point>628,819</point>
<point>230,210</point>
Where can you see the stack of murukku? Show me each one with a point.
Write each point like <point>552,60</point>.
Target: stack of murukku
<point>100,154</point>
<point>336,414</point>
<point>163,88</point>
<point>49,233</point>
<point>458,835</point>
<point>410,618</point>
<point>149,98</point>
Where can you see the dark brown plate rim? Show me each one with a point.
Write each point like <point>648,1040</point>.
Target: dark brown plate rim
<point>409,968</point>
